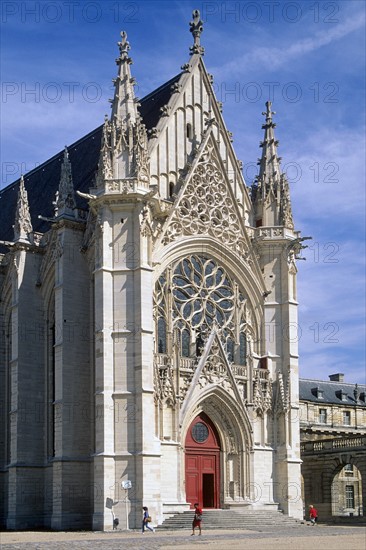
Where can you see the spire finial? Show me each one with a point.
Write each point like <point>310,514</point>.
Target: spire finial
<point>65,196</point>
<point>268,113</point>
<point>124,103</point>
<point>196,28</point>
<point>124,45</point>
<point>272,185</point>
<point>270,161</point>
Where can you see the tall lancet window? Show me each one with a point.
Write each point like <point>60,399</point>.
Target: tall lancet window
<point>161,335</point>
<point>186,343</point>
<point>242,349</point>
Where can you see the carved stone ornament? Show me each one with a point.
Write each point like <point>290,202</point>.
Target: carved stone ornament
<point>165,110</point>
<point>141,159</point>
<point>286,210</point>
<point>124,45</point>
<point>126,144</point>
<point>196,28</point>
<point>153,133</point>
<point>213,369</point>
<point>176,87</point>
<point>121,186</point>
<point>207,207</point>
<point>65,196</point>
<point>186,67</point>
<point>282,396</point>
<point>146,222</point>
<point>262,394</point>
<point>23,229</point>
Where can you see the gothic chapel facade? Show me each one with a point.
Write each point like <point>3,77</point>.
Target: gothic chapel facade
<point>139,277</point>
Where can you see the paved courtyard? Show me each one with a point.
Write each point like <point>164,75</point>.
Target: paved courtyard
<point>301,537</point>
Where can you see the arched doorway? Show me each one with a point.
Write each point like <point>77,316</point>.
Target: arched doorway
<point>347,492</point>
<point>202,463</point>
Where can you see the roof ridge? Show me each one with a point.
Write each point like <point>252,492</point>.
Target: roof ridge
<point>360,384</point>
<point>157,90</point>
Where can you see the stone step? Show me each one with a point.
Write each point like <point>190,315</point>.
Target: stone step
<point>230,519</point>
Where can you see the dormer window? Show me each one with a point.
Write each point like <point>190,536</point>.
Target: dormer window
<point>317,392</point>
<point>341,394</point>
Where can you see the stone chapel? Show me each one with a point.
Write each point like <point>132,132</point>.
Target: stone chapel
<point>148,319</point>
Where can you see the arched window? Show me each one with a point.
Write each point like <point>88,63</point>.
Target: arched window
<point>161,335</point>
<point>242,349</point>
<point>189,131</point>
<point>171,189</point>
<point>186,341</point>
<point>199,345</point>
<point>202,295</point>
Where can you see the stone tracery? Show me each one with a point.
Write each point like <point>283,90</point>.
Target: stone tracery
<point>202,296</point>
<point>194,296</point>
<point>207,207</point>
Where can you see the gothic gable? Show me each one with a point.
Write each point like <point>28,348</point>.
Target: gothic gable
<point>190,110</point>
<point>206,205</point>
<point>213,370</point>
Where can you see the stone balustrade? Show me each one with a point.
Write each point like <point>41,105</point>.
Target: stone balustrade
<point>332,445</point>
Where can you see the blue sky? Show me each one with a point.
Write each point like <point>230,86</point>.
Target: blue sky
<point>57,63</point>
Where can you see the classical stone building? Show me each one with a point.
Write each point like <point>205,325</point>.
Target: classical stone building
<point>333,446</point>
<point>149,314</point>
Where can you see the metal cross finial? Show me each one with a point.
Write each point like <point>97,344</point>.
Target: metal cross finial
<point>196,28</point>
<point>124,45</point>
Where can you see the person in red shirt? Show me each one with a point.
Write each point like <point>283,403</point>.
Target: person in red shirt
<point>197,518</point>
<point>313,514</point>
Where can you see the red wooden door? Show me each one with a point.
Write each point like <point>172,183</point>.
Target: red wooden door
<point>202,466</point>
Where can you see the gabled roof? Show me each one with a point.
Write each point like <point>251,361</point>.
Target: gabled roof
<point>42,183</point>
<point>332,392</point>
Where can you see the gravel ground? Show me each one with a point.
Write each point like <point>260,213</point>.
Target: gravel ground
<point>301,537</point>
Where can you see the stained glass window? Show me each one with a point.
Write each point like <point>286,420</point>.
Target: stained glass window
<point>202,295</point>
<point>200,432</point>
<point>161,335</point>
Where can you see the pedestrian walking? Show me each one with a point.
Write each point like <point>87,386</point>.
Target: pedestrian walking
<point>146,519</point>
<point>197,519</point>
<point>313,514</point>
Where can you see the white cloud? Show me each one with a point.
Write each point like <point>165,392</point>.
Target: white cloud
<point>273,58</point>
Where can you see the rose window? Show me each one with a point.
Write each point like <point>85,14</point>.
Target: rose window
<point>191,297</point>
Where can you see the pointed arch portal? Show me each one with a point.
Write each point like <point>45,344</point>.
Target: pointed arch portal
<point>202,463</point>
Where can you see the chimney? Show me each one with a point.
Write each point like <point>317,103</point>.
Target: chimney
<point>339,377</point>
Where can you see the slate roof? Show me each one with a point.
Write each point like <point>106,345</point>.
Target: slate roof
<point>42,183</point>
<point>151,104</point>
<point>331,392</point>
